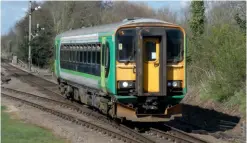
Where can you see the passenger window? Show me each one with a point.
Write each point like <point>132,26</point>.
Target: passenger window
<point>94,57</point>
<point>98,57</point>
<point>61,55</point>
<point>81,56</point>
<point>66,55</point>
<point>74,56</point>
<point>70,56</point>
<point>85,56</point>
<point>78,56</point>
<point>89,56</point>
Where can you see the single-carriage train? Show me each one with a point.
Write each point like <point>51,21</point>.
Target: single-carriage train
<point>133,70</point>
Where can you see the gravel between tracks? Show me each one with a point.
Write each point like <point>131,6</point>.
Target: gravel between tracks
<point>22,86</point>
<point>62,128</point>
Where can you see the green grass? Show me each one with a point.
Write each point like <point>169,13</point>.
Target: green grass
<point>15,131</point>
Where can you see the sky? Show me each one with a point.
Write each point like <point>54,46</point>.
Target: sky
<point>12,11</point>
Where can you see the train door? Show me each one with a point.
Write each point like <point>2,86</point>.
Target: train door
<point>151,66</point>
<point>105,63</point>
<point>151,61</point>
<point>56,57</point>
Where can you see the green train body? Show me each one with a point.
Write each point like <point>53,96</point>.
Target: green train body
<point>89,68</point>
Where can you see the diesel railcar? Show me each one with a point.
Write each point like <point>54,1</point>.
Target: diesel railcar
<point>133,70</point>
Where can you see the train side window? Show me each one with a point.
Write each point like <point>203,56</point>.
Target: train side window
<point>98,57</point>
<point>94,57</point>
<point>62,55</point>
<point>64,58</point>
<point>71,56</point>
<point>81,56</point>
<point>66,55</point>
<point>78,56</point>
<point>89,56</point>
<point>84,56</point>
<point>75,55</point>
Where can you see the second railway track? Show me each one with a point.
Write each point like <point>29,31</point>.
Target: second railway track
<point>74,119</point>
<point>151,136</point>
<point>88,113</point>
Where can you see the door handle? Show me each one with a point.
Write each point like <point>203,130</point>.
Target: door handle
<point>156,64</point>
<point>134,69</point>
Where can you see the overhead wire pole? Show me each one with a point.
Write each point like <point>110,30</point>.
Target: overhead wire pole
<point>29,37</point>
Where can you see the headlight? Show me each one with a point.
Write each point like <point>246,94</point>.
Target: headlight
<point>175,84</point>
<point>126,84</point>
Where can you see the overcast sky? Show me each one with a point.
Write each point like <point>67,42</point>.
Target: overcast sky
<point>12,11</point>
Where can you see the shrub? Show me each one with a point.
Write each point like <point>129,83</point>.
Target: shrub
<point>219,68</point>
<point>51,65</point>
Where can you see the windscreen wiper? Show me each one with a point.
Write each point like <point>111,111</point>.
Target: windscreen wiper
<point>130,57</point>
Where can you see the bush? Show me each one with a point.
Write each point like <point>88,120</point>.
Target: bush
<point>218,69</point>
<point>51,65</point>
<point>239,99</point>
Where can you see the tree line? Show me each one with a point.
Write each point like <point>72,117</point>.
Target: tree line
<point>216,38</point>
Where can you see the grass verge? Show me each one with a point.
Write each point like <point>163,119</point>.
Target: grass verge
<point>16,131</point>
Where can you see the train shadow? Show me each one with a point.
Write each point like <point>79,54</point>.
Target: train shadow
<point>200,120</point>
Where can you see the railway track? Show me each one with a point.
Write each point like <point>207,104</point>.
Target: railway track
<point>151,136</point>
<point>174,135</point>
<point>88,113</point>
<point>74,119</point>
<point>37,81</point>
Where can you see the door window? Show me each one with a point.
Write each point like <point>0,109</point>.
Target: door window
<point>150,51</point>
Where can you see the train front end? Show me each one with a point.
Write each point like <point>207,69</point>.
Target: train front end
<point>150,72</point>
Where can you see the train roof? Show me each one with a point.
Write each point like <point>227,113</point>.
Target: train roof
<point>109,27</point>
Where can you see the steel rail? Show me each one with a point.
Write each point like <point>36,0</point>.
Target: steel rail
<point>75,120</point>
<point>134,134</point>
<point>176,136</point>
<point>173,135</point>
